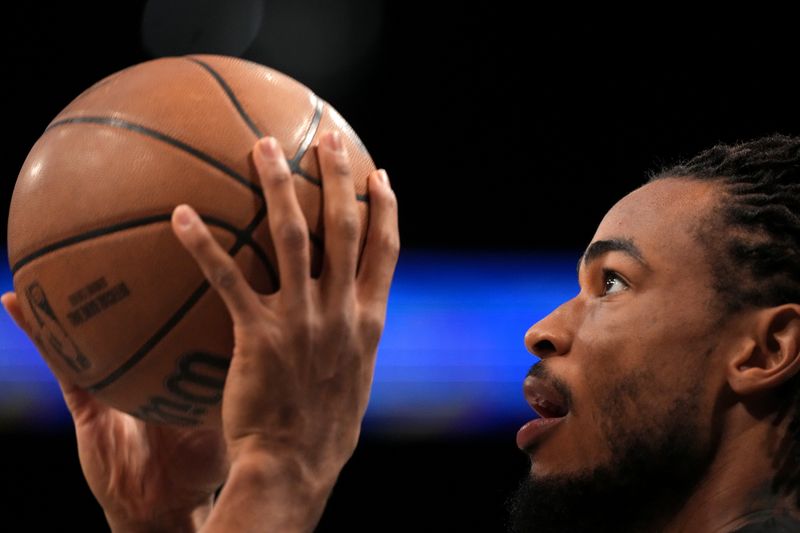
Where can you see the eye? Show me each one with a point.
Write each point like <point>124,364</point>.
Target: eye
<point>613,283</point>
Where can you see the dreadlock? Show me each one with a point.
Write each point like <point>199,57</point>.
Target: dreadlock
<point>754,235</point>
<point>753,239</point>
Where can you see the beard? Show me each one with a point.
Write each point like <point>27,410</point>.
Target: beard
<point>651,472</point>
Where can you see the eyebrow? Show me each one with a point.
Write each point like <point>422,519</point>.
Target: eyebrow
<point>598,248</point>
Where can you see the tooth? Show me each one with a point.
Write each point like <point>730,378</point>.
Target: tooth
<point>551,408</point>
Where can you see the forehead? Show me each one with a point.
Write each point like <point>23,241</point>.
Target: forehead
<point>662,218</point>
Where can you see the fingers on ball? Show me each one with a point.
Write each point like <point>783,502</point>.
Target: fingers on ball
<point>219,268</point>
<point>287,223</point>
<point>382,247</point>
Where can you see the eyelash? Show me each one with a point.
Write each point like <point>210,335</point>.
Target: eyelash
<point>609,275</point>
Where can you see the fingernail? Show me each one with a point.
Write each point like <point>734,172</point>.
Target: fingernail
<point>334,141</point>
<point>184,216</point>
<point>269,147</point>
<point>384,177</point>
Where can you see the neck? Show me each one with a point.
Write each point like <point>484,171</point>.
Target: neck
<point>754,475</point>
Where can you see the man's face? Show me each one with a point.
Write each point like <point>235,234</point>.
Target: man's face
<point>633,359</point>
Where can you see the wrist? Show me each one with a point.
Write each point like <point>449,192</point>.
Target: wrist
<point>261,471</point>
<point>270,491</point>
<point>178,521</point>
<point>321,461</point>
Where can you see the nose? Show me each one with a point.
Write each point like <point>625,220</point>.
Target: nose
<point>553,334</point>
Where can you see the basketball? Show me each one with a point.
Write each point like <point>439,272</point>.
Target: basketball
<point>116,304</point>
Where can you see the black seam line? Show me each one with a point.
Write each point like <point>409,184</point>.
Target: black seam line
<point>315,181</point>
<point>138,128</point>
<point>114,122</point>
<point>313,126</point>
<point>241,238</point>
<point>152,341</point>
<point>245,237</point>
<point>91,234</point>
<point>231,95</point>
<point>294,162</point>
<point>119,123</point>
<point>130,224</point>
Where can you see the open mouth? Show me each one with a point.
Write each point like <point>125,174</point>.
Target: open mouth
<point>551,406</point>
<point>544,398</point>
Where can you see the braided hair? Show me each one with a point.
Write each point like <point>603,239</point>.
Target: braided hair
<point>754,234</point>
<point>753,242</point>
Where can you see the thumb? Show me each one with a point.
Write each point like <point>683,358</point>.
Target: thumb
<point>80,403</point>
<point>13,309</point>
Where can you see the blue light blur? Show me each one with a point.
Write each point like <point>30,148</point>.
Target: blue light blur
<point>451,360</point>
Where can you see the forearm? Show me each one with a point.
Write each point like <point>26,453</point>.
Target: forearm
<point>266,492</point>
<point>189,521</point>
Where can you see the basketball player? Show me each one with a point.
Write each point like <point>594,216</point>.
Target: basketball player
<point>298,383</point>
<point>668,387</point>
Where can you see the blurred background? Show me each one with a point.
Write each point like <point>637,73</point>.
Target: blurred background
<point>506,136</point>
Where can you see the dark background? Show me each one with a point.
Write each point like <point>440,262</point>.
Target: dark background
<point>500,130</point>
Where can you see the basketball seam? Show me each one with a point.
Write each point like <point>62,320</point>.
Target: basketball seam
<point>163,137</point>
<point>136,223</point>
<point>305,144</point>
<point>173,321</point>
<point>231,96</point>
<point>294,162</point>
<point>313,126</point>
<point>243,237</point>
<point>191,150</point>
<point>187,306</point>
<point>162,332</point>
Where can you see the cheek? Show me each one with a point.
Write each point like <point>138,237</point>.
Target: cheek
<point>629,358</point>
<point>593,369</point>
<point>634,358</point>
<point>650,328</point>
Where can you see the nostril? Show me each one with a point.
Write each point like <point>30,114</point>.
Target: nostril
<point>544,347</point>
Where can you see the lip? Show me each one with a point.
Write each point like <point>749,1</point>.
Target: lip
<point>551,406</point>
<point>543,398</point>
<point>535,430</point>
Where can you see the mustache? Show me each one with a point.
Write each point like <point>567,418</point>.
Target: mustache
<point>540,371</point>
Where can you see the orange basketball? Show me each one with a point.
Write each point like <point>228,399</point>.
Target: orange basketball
<point>117,305</point>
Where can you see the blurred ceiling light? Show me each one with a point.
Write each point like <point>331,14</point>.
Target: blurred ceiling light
<point>325,45</point>
<point>177,27</point>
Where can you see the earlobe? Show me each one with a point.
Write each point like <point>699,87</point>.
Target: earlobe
<point>770,355</point>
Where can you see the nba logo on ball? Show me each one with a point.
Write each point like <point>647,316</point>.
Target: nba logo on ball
<point>117,305</point>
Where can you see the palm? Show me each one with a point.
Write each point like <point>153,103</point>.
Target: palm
<point>144,471</point>
<point>136,470</point>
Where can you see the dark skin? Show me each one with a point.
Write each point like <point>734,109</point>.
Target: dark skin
<point>648,328</point>
<point>299,379</point>
<point>645,329</point>
<point>146,477</point>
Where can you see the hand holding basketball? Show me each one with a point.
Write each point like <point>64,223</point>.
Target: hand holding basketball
<point>116,305</point>
<point>300,377</point>
<point>299,277</point>
<point>146,477</point>
<point>303,361</point>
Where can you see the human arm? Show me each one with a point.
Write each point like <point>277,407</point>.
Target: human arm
<point>146,477</point>
<point>301,373</point>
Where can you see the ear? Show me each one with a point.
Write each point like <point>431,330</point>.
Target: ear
<point>772,354</point>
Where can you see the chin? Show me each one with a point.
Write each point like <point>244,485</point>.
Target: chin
<point>555,459</point>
